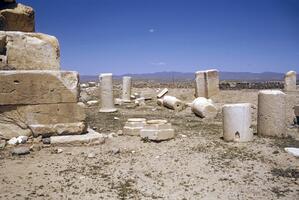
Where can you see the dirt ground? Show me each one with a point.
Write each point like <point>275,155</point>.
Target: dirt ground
<point>197,164</point>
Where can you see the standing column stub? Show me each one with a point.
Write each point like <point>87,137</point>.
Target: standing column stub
<point>106,84</point>
<point>127,85</point>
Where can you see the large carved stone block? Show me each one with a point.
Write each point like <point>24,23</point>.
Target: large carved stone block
<point>16,17</point>
<point>207,83</point>
<point>38,87</point>
<point>28,51</point>
<point>43,119</point>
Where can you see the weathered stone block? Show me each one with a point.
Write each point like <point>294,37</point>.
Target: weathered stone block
<point>207,83</point>
<point>133,126</point>
<point>16,17</point>
<point>43,119</point>
<point>157,130</point>
<point>29,51</point>
<point>38,87</point>
<point>290,80</point>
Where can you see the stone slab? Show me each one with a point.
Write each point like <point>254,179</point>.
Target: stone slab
<point>38,87</point>
<point>29,51</point>
<point>31,119</point>
<point>157,135</point>
<point>16,17</point>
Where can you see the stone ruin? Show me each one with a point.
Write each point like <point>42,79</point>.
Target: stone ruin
<point>36,98</point>
<point>290,80</point>
<point>206,83</point>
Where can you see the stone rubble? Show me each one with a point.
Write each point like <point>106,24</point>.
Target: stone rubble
<point>133,126</point>
<point>173,103</point>
<point>157,130</point>
<point>206,83</point>
<point>204,108</point>
<point>162,93</point>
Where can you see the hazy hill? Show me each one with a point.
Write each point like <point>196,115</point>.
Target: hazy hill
<point>245,76</point>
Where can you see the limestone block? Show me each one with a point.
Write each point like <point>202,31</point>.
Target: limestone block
<point>107,103</point>
<point>38,87</point>
<point>127,84</point>
<point>157,130</point>
<point>173,103</point>
<point>206,83</point>
<point>162,93</point>
<point>51,118</point>
<point>91,137</point>
<point>133,126</point>
<point>160,102</point>
<point>290,79</point>
<point>237,122</point>
<point>204,108</point>
<point>29,51</point>
<point>271,120</point>
<point>16,17</point>
<point>296,111</point>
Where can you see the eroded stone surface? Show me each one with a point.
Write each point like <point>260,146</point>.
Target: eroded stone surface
<point>29,51</point>
<point>16,17</point>
<point>133,126</point>
<point>157,130</point>
<point>51,118</point>
<point>38,87</point>
<point>290,79</point>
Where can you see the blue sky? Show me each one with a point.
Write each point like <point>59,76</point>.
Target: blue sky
<point>137,36</point>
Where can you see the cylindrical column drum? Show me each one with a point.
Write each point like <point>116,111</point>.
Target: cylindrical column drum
<point>107,103</point>
<point>237,122</point>
<point>271,119</point>
<point>173,103</point>
<point>203,108</point>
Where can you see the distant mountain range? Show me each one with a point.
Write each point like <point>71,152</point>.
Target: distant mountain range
<point>168,76</point>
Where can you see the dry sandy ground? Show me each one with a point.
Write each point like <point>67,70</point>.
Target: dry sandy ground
<point>197,164</point>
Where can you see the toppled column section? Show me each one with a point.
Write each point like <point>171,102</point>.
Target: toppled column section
<point>204,108</point>
<point>206,83</point>
<point>16,17</point>
<point>157,130</point>
<point>107,103</point>
<point>173,103</point>
<point>271,120</point>
<point>133,126</point>
<point>127,84</point>
<point>29,51</point>
<point>237,122</point>
<point>38,87</point>
<point>290,79</point>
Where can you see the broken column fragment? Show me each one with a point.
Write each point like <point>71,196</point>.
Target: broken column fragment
<point>290,79</point>
<point>38,87</point>
<point>157,130</point>
<point>173,103</point>
<point>133,126</point>
<point>204,108</point>
<point>127,84</point>
<point>29,51</point>
<point>16,17</point>
<point>271,120</point>
<point>107,103</point>
<point>162,93</point>
<point>206,83</point>
<point>237,122</point>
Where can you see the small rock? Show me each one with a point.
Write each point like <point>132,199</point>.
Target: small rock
<point>92,103</point>
<point>116,118</point>
<point>91,155</point>
<point>111,135</point>
<point>38,139</point>
<point>59,150</point>
<point>183,136</point>
<point>115,150</point>
<point>46,140</point>
<point>22,139</point>
<point>20,151</point>
<point>13,141</point>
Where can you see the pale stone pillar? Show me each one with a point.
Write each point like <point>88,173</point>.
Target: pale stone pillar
<point>107,104</point>
<point>206,83</point>
<point>127,84</point>
<point>271,119</point>
<point>173,103</point>
<point>237,122</point>
<point>204,108</point>
<point>290,81</point>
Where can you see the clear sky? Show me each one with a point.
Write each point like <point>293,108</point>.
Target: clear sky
<point>136,36</point>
